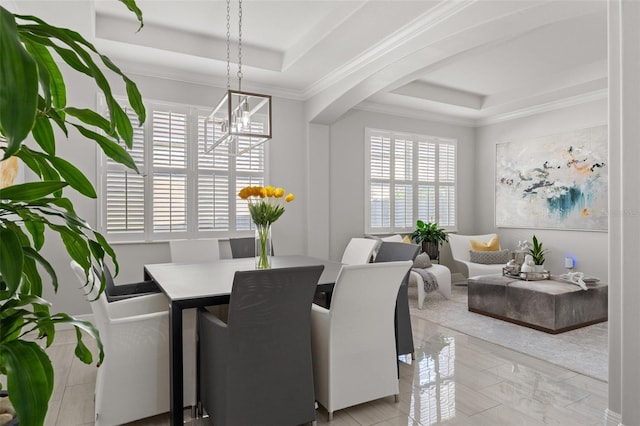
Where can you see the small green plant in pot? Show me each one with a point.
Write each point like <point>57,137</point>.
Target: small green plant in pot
<point>430,237</point>
<point>537,252</point>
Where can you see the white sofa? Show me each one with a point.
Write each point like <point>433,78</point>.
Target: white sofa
<point>460,247</point>
<point>443,276</point>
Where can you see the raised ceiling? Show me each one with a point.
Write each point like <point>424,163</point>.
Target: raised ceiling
<point>465,61</point>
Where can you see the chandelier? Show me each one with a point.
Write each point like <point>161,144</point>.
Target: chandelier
<point>241,121</point>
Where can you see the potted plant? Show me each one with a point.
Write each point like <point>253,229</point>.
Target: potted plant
<point>537,253</point>
<point>32,103</point>
<point>430,237</point>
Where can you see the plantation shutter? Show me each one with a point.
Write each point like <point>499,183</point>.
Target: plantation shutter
<point>169,171</point>
<point>409,177</point>
<point>447,184</point>
<point>124,196</point>
<point>181,192</point>
<point>213,183</point>
<point>249,172</point>
<point>380,174</point>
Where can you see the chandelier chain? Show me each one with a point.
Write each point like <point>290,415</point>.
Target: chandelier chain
<point>228,44</point>
<point>240,45</point>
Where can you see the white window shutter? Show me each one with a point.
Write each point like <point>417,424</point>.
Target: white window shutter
<point>408,177</point>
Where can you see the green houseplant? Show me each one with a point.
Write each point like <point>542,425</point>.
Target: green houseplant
<point>430,237</point>
<point>32,103</point>
<point>537,252</point>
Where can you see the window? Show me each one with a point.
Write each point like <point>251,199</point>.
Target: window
<point>408,177</point>
<point>181,191</point>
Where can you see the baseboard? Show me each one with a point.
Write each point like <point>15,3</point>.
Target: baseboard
<point>612,418</point>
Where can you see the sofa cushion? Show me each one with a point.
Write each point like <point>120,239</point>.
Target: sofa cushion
<point>422,261</point>
<point>492,245</point>
<point>489,257</point>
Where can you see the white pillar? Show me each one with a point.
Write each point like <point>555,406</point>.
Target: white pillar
<point>318,149</point>
<point>624,224</point>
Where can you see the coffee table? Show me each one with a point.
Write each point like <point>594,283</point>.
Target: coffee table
<point>552,306</point>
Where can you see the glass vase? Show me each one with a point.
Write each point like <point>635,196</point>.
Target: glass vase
<point>263,246</point>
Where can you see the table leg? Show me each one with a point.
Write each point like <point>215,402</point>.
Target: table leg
<point>175,361</point>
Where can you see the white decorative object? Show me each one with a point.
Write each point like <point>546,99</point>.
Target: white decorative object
<point>528,264</point>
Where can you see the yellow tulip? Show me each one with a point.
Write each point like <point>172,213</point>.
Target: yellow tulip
<point>263,192</point>
<point>244,193</point>
<point>270,191</point>
<point>279,192</point>
<point>289,198</point>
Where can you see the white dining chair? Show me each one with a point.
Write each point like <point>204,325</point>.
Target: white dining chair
<point>133,381</point>
<point>359,251</point>
<point>194,250</point>
<point>353,342</point>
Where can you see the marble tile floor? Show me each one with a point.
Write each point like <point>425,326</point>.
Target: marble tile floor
<point>455,379</point>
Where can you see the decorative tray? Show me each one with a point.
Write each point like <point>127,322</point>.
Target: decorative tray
<point>527,276</point>
<point>588,280</point>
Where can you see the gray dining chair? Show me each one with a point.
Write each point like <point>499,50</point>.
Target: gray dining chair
<point>392,252</point>
<point>244,247</point>
<point>256,367</point>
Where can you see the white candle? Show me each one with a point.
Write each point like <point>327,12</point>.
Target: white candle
<point>568,262</point>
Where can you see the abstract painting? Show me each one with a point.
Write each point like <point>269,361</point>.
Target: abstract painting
<point>557,181</point>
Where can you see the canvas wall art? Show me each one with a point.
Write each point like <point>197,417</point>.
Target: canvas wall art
<point>557,181</point>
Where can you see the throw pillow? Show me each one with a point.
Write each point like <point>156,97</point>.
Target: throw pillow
<point>393,238</point>
<point>422,261</point>
<point>406,239</point>
<point>489,257</point>
<point>492,245</point>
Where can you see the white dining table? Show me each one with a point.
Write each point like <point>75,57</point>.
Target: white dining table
<point>192,285</point>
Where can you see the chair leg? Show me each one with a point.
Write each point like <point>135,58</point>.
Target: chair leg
<point>396,397</point>
<point>330,415</point>
<point>413,356</point>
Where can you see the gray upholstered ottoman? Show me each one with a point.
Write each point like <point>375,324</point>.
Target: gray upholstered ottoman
<point>546,305</point>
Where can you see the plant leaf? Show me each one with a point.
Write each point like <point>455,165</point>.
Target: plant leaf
<point>11,259</point>
<point>36,229</point>
<point>29,379</point>
<point>110,148</point>
<point>30,190</point>
<point>91,118</point>
<point>29,252</point>
<point>43,134</point>
<point>74,177</point>
<point>18,80</point>
<point>131,5</point>
<point>55,80</point>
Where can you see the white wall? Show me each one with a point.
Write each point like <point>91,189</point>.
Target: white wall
<point>347,170</point>
<point>589,248</point>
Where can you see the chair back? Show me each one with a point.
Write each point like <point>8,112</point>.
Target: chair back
<point>359,251</point>
<point>194,250</point>
<point>99,304</point>
<point>392,252</point>
<point>270,345</point>
<point>461,244</point>
<point>363,304</point>
<point>242,247</point>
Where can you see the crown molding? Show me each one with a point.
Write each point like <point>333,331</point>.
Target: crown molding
<point>545,107</point>
<point>441,12</point>
<point>413,113</point>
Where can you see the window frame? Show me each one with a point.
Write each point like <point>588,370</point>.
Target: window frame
<point>414,182</point>
<point>192,112</point>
